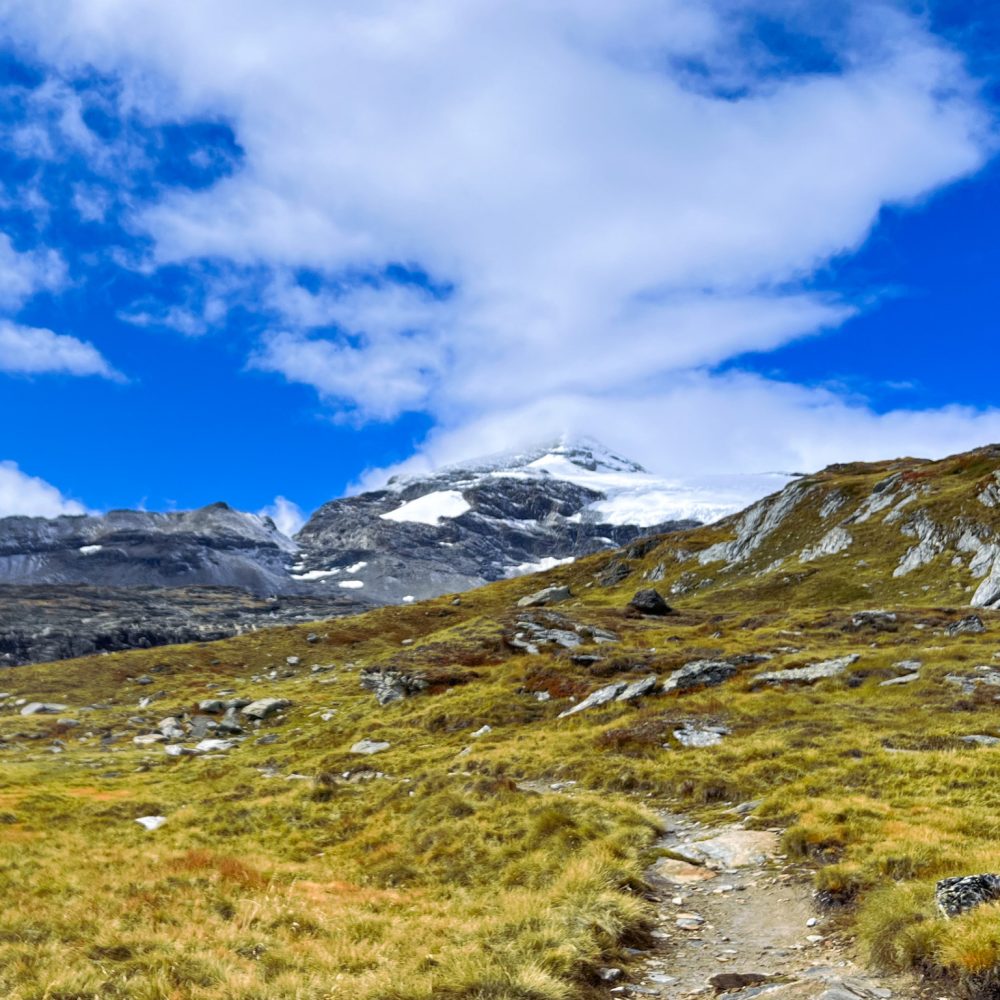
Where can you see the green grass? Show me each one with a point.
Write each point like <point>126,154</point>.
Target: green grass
<point>428,871</point>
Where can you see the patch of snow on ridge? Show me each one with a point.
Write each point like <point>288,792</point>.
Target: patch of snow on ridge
<point>315,574</point>
<point>351,584</point>
<point>430,509</point>
<point>89,550</point>
<point>548,562</point>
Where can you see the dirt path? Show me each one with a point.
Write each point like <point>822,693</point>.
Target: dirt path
<point>738,909</point>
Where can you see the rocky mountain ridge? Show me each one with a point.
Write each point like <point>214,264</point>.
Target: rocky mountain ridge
<point>126,576</point>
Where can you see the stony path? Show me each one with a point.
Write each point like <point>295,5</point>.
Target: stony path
<point>738,920</point>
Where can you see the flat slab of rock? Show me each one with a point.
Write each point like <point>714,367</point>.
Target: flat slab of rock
<point>265,708</point>
<point>43,708</point>
<point>699,673</point>
<point>732,849</point>
<point>905,679</point>
<point>700,736</point>
<point>369,747</point>
<point>809,675</point>
<point>679,872</point>
<point>549,595</point>
<point>600,697</point>
<point>638,688</point>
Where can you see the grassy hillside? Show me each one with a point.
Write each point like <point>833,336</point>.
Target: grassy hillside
<point>446,865</point>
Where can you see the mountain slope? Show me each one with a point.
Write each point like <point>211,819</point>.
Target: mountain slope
<point>443,800</point>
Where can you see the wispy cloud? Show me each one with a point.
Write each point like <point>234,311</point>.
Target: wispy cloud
<point>28,350</point>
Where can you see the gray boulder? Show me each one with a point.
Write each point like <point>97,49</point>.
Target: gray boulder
<point>391,685</point>
<point>369,747</point>
<point>600,697</point>
<point>42,708</point>
<point>699,673</point>
<point>971,624</point>
<point>649,602</point>
<point>965,892</point>
<point>549,595</point>
<point>700,736</point>
<point>265,708</point>
<point>639,688</point>
<point>809,675</point>
<point>214,706</point>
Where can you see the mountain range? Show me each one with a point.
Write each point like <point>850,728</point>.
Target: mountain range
<point>109,581</point>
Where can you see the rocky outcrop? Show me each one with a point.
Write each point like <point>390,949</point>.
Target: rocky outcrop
<point>213,546</point>
<point>40,623</point>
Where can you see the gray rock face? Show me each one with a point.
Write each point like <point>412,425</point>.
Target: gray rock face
<point>639,689</point>
<point>42,708</point>
<point>699,673</point>
<point>41,623</point>
<point>215,546</point>
<point>463,527</point>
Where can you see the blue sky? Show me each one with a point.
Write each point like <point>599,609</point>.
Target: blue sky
<point>248,251</point>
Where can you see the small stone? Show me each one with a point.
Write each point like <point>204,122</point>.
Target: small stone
<point>312,637</point>
<point>482,731</point>
<point>213,706</point>
<point>151,822</point>
<point>369,747</point>
<point>149,739</point>
<point>293,661</point>
<point>609,975</point>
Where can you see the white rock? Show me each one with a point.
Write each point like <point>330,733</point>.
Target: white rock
<point>369,747</point>
<point>151,822</point>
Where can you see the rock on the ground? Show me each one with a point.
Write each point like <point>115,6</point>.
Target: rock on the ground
<point>599,697</point>
<point>679,872</point>
<point>700,736</point>
<point>391,685</point>
<point>649,602</point>
<point>809,675</point>
<point>264,708</point>
<point>965,892</point>
<point>699,673</point>
<point>43,708</point>
<point>971,624</point>
<point>734,848</point>
<point>639,688</point>
<point>548,595</point>
<point>151,822</point>
<point>369,747</point>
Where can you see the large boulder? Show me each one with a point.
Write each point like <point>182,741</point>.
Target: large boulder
<point>649,602</point>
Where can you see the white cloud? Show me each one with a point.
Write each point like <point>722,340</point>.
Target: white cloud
<point>703,424</point>
<point>608,221</point>
<point>22,274</point>
<point>31,496</point>
<point>33,350</point>
<point>287,516</point>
